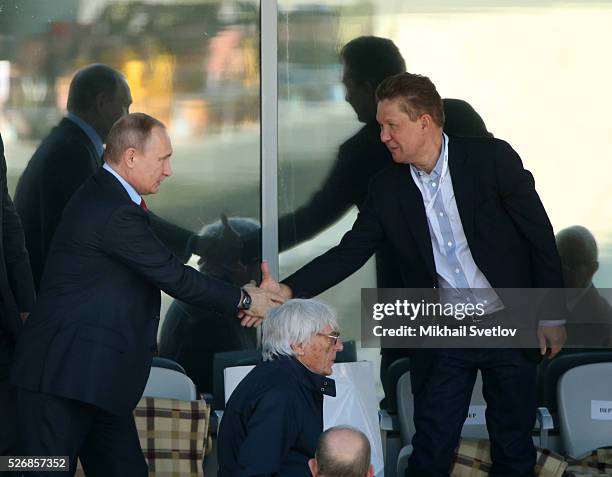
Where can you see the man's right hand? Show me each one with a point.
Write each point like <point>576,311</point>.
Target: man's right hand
<point>268,283</point>
<point>262,301</point>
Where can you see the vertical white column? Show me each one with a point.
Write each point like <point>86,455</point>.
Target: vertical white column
<point>269,132</point>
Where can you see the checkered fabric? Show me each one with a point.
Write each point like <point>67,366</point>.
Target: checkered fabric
<point>473,460</point>
<point>173,436</point>
<point>597,463</point>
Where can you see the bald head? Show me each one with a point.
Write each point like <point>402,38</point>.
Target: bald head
<point>578,251</point>
<point>342,452</point>
<point>99,95</point>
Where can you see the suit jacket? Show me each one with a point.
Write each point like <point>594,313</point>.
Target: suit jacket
<point>92,334</point>
<point>360,158</point>
<point>16,285</point>
<point>505,224</point>
<point>65,159</point>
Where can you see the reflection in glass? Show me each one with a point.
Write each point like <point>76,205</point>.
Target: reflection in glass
<point>193,65</point>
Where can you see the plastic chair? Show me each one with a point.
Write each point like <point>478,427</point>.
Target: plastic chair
<point>584,395</point>
<point>159,362</point>
<point>170,384</point>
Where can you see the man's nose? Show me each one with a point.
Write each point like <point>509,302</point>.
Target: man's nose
<point>384,135</point>
<point>168,169</point>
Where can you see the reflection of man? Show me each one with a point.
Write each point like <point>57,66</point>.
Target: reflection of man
<point>191,335</point>
<point>342,452</point>
<point>589,323</point>
<point>274,417</point>
<point>72,152</point>
<point>367,60</point>
<point>16,300</point>
<point>457,213</point>
<point>85,353</point>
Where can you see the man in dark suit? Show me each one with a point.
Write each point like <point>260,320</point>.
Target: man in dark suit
<point>98,96</point>
<point>84,356</point>
<point>458,213</point>
<point>16,301</point>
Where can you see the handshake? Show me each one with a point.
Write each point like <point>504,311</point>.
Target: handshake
<point>269,294</point>
<point>230,250</point>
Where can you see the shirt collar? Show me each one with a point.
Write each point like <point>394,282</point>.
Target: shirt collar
<point>439,167</point>
<point>135,196</point>
<point>313,381</point>
<point>91,133</point>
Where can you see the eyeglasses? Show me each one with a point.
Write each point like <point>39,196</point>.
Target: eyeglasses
<point>334,336</point>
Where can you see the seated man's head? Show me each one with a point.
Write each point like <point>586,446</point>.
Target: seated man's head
<point>368,60</point>
<point>305,329</point>
<point>578,251</point>
<point>342,452</point>
<point>139,149</point>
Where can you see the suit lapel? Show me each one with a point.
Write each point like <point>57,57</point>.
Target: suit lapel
<point>463,185</point>
<point>411,203</point>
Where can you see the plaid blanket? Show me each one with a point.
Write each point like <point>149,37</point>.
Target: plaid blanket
<point>173,436</point>
<point>597,463</point>
<point>473,460</point>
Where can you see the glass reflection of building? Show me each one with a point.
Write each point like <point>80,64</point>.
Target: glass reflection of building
<point>532,69</point>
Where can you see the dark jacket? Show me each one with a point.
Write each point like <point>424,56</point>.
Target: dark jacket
<point>16,285</point>
<point>64,160</point>
<point>272,421</point>
<point>92,334</point>
<point>360,158</point>
<point>505,224</point>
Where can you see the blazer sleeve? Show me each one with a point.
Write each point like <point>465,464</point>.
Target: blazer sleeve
<point>129,238</point>
<point>16,259</point>
<point>174,237</point>
<point>521,201</point>
<point>355,248</point>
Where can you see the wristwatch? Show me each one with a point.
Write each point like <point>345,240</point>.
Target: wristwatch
<point>246,301</point>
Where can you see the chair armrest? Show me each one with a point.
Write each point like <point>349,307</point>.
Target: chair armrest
<point>544,418</point>
<point>544,424</point>
<point>387,422</point>
<point>402,460</point>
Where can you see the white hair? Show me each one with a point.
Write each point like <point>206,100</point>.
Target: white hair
<point>294,322</point>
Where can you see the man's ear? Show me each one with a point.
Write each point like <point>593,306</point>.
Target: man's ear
<point>128,157</point>
<point>313,467</point>
<point>425,122</point>
<point>298,349</point>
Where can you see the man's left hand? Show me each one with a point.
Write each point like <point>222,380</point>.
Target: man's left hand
<point>553,335</point>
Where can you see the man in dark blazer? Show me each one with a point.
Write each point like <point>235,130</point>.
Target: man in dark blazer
<point>457,213</point>
<point>98,96</point>
<point>16,301</point>
<point>84,356</point>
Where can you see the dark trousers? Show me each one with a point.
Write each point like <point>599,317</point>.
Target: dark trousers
<point>106,444</point>
<point>442,403</point>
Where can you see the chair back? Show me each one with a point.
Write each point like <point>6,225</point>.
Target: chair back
<point>584,395</point>
<point>169,384</point>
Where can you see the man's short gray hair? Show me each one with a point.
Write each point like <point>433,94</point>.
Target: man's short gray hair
<point>295,321</point>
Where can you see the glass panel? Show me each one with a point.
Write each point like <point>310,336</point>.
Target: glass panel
<point>533,70</point>
<point>194,65</point>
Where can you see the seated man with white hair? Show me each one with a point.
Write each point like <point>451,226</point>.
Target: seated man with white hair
<point>274,417</point>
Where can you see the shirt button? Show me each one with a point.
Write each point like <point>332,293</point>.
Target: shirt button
<point>324,383</point>
<point>450,244</point>
<point>441,214</point>
<point>456,270</point>
<point>322,390</point>
<point>433,184</point>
